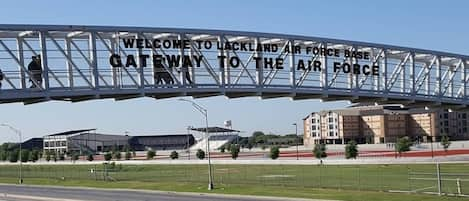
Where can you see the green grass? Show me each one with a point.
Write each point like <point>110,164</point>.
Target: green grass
<point>350,182</point>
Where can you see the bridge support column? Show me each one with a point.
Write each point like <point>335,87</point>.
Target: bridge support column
<point>20,54</point>
<point>44,63</point>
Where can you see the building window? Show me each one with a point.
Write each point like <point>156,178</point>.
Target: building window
<point>446,115</point>
<point>63,144</point>
<point>464,116</point>
<point>46,144</point>
<point>331,126</point>
<point>446,123</point>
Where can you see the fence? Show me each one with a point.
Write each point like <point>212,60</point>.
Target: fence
<point>414,178</point>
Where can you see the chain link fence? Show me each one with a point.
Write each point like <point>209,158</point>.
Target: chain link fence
<point>451,179</point>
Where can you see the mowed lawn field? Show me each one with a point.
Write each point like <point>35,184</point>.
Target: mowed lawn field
<point>341,182</point>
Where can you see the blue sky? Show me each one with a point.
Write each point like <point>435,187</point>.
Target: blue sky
<point>435,25</point>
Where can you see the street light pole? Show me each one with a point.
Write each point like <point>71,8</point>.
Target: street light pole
<point>18,132</point>
<point>296,139</point>
<point>204,113</point>
<point>188,143</point>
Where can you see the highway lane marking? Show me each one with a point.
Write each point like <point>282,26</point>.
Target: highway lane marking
<point>35,198</point>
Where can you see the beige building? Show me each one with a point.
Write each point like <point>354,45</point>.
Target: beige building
<point>383,124</point>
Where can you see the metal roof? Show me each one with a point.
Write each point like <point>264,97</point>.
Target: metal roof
<point>215,130</point>
<point>71,132</point>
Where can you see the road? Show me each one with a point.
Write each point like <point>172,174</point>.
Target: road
<point>36,193</point>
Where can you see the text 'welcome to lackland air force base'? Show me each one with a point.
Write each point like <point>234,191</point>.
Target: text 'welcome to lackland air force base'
<point>178,60</point>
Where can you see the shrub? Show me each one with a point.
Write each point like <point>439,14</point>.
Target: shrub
<point>151,154</point>
<point>24,155</point>
<point>128,155</point>
<point>107,156</point>
<point>90,157</point>
<point>403,144</point>
<point>47,155</point>
<point>234,151</point>
<point>117,155</point>
<point>351,150</point>
<point>13,156</point>
<point>200,154</point>
<point>174,155</point>
<point>274,152</point>
<point>3,155</point>
<point>34,155</point>
<point>319,151</point>
<point>54,156</point>
<point>61,157</point>
<point>445,142</point>
<point>75,156</point>
<point>222,149</point>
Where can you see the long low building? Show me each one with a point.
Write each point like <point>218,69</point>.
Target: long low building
<point>383,124</point>
<point>88,141</point>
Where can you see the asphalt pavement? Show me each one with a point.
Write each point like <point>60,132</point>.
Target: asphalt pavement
<point>40,193</point>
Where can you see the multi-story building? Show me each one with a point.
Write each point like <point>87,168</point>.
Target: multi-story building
<point>383,124</point>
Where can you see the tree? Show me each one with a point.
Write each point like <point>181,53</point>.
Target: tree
<point>234,151</point>
<point>403,144</point>
<point>151,154</point>
<point>319,151</point>
<point>24,155</point>
<point>90,157</point>
<point>351,150</point>
<point>13,156</point>
<point>228,147</point>
<point>200,154</point>
<point>107,156</point>
<point>258,137</point>
<point>274,152</point>
<point>445,142</point>
<point>249,146</point>
<point>174,155</point>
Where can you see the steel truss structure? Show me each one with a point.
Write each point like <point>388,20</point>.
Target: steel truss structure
<point>75,65</point>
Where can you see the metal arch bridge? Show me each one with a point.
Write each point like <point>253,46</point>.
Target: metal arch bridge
<point>75,63</point>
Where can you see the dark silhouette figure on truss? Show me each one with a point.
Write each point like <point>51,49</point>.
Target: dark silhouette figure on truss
<point>161,74</point>
<point>1,78</point>
<point>187,75</point>
<point>35,70</point>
